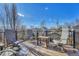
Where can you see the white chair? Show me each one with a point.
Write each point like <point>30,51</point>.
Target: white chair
<point>64,35</point>
<point>63,39</point>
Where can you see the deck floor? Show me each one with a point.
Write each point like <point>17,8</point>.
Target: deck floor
<point>41,50</point>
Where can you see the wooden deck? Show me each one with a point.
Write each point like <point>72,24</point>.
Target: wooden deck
<point>43,51</point>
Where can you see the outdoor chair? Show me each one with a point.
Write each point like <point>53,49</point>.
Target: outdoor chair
<point>58,44</point>
<point>18,46</point>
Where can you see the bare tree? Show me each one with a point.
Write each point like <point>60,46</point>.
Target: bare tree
<point>77,21</point>
<point>9,19</point>
<point>23,29</point>
<point>6,13</point>
<point>57,23</point>
<point>11,16</point>
<point>14,16</point>
<point>5,18</point>
<point>42,24</point>
<point>2,21</point>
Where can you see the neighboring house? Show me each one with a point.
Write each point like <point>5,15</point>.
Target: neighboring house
<point>43,31</point>
<point>29,33</point>
<point>76,28</point>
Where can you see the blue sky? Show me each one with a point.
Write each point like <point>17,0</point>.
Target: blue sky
<point>34,13</point>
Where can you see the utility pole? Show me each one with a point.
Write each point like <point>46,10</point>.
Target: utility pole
<point>37,37</point>
<point>73,38</point>
<point>57,23</point>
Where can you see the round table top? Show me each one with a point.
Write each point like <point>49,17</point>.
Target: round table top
<point>44,37</point>
<point>15,48</point>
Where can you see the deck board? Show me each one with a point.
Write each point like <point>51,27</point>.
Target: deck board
<point>43,50</point>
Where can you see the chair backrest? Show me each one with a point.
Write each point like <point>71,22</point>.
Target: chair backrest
<point>56,41</point>
<point>10,36</point>
<point>64,35</point>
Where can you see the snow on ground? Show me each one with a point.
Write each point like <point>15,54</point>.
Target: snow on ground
<point>73,53</point>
